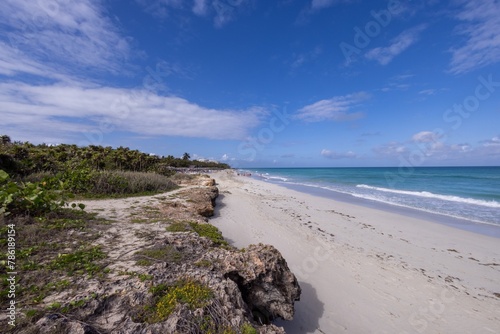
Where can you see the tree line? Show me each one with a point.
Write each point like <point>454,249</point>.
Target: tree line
<point>20,159</point>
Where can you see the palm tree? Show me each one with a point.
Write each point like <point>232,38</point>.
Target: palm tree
<point>4,139</point>
<point>186,156</point>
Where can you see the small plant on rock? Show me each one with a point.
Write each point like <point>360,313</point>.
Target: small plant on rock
<point>188,292</point>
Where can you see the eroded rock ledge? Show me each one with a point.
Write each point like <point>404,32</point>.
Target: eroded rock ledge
<point>248,288</point>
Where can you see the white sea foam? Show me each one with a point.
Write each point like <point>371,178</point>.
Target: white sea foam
<point>426,194</point>
<point>267,176</point>
<point>475,220</point>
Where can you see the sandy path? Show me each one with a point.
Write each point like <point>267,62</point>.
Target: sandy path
<point>363,270</point>
<point>131,227</point>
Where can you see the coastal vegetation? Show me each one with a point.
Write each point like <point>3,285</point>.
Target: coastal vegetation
<point>23,159</point>
<point>190,292</point>
<point>91,171</point>
<point>53,234</point>
<point>150,261</point>
<point>203,230</point>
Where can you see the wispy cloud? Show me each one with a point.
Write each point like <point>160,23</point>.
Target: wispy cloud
<point>426,137</point>
<point>395,87</point>
<point>337,155</point>
<point>402,77</point>
<point>431,148</point>
<point>398,83</point>
<point>493,142</point>
<point>322,4</point>
<point>160,8</point>
<point>384,55</point>
<point>335,109</point>
<point>222,12</point>
<point>315,6</point>
<point>481,26</point>
<point>76,36</point>
<point>61,47</point>
<point>73,110</point>
<point>428,92</point>
<point>200,7</point>
<point>305,57</point>
<point>14,62</point>
<point>391,149</point>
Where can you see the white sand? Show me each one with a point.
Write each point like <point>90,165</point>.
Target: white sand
<point>370,271</point>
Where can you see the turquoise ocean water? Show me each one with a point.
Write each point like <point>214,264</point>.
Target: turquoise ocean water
<point>468,193</point>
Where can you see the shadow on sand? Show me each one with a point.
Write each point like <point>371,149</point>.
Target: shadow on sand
<point>219,204</point>
<point>308,311</point>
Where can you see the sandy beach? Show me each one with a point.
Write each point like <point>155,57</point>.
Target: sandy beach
<point>364,270</point>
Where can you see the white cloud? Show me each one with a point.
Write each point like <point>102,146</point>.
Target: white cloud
<point>427,149</point>
<point>337,155</point>
<point>73,35</point>
<point>427,92</point>
<point>72,110</point>
<point>223,11</point>
<point>57,42</point>
<point>493,142</point>
<point>320,4</point>
<point>303,58</point>
<point>160,8</point>
<point>200,7</point>
<point>384,55</point>
<point>391,149</point>
<point>334,109</point>
<point>14,61</point>
<point>426,137</point>
<point>481,27</point>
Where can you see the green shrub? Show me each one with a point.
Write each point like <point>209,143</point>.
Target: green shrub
<point>203,230</point>
<point>80,261</point>
<point>179,227</point>
<point>189,292</point>
<point>139,182</point>
<point>168,253</point>
<point>76,180</point>
<point>209,231</point>
<point>87,181</point>
<point>248,329</point>
<point>27,198</point>
<point>109,183</point>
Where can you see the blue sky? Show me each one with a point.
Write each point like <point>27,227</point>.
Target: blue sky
<point>258,83</point>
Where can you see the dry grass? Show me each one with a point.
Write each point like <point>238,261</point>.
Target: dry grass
<point>131,183</point>
<point>50,250</point>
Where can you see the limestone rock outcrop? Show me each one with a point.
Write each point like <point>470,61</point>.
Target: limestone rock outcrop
<point>248,287</point>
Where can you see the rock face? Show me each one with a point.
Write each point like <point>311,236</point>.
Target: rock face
<point>251,286</point>
<point>205,202</point>
<point>202,200</point>
<point>267,285</point>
